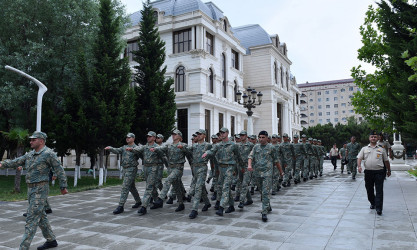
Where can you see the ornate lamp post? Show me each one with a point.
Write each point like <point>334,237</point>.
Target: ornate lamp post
<point>249,102</point>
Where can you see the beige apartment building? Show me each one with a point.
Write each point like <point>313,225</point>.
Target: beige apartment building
<point>327,102</point>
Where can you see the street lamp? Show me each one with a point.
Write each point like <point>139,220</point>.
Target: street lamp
<point>249,102</point>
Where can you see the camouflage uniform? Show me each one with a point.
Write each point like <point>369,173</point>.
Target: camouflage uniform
<point>38,165</point>
<point>264,158</point>
<point>227,155</point>
<point>321,157</point>
<point>315,160</point>
<point>353,151</point>
<point>299,153</point>
<point>176,160</point>
<point>308,160</point>
<point>244,150</point>
<point>286,151</point>
<point>151,162</point>
<point>343,156</point>
<point>275,173</point>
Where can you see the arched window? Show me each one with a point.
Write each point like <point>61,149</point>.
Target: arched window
<point>211,81</point>
<point>180,79</point>
<point>224,87</point>
<point>282,78</point>
<point>225,25</point>
<point>235,91</point>
<point>275,73</point>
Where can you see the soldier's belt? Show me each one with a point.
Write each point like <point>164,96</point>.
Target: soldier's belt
<point>199,165</point>
<point>226,165</point>
<point>151,164</point>
<point>37,184</point>
<point>176,165</point>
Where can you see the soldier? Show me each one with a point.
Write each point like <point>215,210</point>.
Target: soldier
<point>160,140</point>
<point>151,162</point>
<point>130,169</point>
<point>199,166</point>
<point>245,147</point>
<point>237,177</point>
<point>322,152</point>
<point>308,162</point>
<point>252,139</point>
<point>352,151</point>
<point>286,151</point>
<point>276,186</point>
<point>315,158</point>
<point>214,170</point>
<point>299,153</point>
<point>386,146</point>
<point>38,163</point>
<point>194,140</point>
<point>261,160</point>
<point>343,158</point>
<point>175,153</point>
<point>227,156</point>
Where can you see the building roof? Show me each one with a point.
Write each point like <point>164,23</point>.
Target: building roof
<point>252,35</point>
<point>179,7</point>
<point>314,84</point>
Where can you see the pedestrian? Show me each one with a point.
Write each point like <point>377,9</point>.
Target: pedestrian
<point>262,159</point>
<point>227,156</point>
<point>322,152</point>
<point>343,157</point>
<point>160,141</point>
<point>38,163</point>
<point>276,186</point>
<point>245,147</point>
<point>352,150</point>
<point>286,151</point>
<point>129,164</point>
<point>334,153</point>
<point>374,157</point>
<point>299,153</point>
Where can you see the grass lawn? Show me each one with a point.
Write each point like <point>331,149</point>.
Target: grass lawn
<point>86,183</point>
<point>413,172</point>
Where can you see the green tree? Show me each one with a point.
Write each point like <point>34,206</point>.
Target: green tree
<point>389,94</point>
<point>110,106</point>
<point>155,96</point>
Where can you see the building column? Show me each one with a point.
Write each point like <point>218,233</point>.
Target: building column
<point>286,121</point>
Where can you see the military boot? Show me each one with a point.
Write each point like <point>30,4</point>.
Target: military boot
<point>264,218</point>
<point>180,208</point>
<point>142,211</point>
<point>118,210</point>
<point>220,211</point>
<point>48,211</point>
<point>217,205</point>
<point>247,203</point>
<point>137,204</point>
<point>206,207</point>
<point>48,244</point>
<point>170,201</point>
<point>252,190</point>
<point>158,203</point>
<point>230,209</point>
<point>193,214</point>
<point>241,205</point>
<point>237,198</point>
<point>214,196</point>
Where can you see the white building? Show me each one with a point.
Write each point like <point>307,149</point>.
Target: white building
<point>210,61</point>
<point>327,102</point>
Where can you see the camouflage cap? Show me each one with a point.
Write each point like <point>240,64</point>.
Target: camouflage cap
<point>237,136</point>
<point>243,132</point>
<point>201,131</point>
<point>285,135</point>
<point>314,139</point>
<point>38,135</point>
<point>303,136</point>
<point>159,136</point>
<point>224,130</point>
<point>177,132</point>
<point>319,140</point>
<point>274,136</point>
<point>151,133</point>
<point>253,137</point>
<point>214,137</point>
<point>310,139</point>
<point>295,136</point>
<point>194,135</point>
<point>131,135</point>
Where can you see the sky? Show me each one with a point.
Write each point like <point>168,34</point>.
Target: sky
<point>322,36</point>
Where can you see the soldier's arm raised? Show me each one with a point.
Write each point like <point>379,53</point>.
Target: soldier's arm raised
<point>114,150</point>
<point>20,161</point>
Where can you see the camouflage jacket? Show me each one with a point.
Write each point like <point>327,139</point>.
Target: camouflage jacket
<point>308,148</point>
<point>353,150</point>
<point>286,151</point>
<point>149,157</point>
<point>197,150</point>
<point>174,154</point>
<point>323,151</point>
<point>38,165</point>
<point>225,152</point>
<point>299,149</point>
<point>129,159</point>
<point>263,158</point>
<point>244,150</point>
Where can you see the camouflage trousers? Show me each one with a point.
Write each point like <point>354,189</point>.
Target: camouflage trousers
<point>192,184</point>
<point>264,184</point>
<point>353,166</point>
<point>200,192</point>
<point>239,180</point>
<point>36,216</point>
<point>174,179</point>
<point>159,176</point>
<point>172,192</point>
<point>275,179</point>
<point>313,166</point>
<point>129,175</point>
<point>215,180</point>
<point>321,161</point>
<point>245,192</point>
<point>287,170</point>
<point>150,173</point>
<point>306,167</point>
<point>299,167</point>
<point>224,190</point>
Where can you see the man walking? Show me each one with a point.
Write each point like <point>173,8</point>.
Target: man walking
<point>38,163</point>
<point>343,157</point>
<point>130,169</point>
<point>352,151</point>
<point>245,148</point>
<point>334,153</point>
<point>374,156</point>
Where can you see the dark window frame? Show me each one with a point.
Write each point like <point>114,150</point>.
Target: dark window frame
<point>182,40</point>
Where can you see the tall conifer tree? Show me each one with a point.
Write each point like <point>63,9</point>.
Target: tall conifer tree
<point>155,99</point>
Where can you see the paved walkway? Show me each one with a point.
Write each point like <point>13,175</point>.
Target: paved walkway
<point>331,212</point>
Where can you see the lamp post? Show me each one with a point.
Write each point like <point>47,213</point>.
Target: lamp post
<point>249,102</point>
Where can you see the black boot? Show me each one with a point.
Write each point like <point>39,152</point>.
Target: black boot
<point>158,203</point>
<point>217,205</point>
<point>48,211</point>
<point>220,211</point>
<point>189,198</point>
<point>264,218</point>
<point>233,187</point>
<point>137,204</point>
<point>193,214</point>
<point>142,211</point>
<point>273,192</point>
<point>230,209</point>
<point>252,190</point>
<point>170,201</point>
<point>247,203</point>
<point>118,210</point>
<point>304,179</point>
<point>180,208</point>
<point>48,244</point>
<point>237,198</point>
<point>212,189</point>
<point>214,196</point>
<point>241,205</point>
<point>206,207</point>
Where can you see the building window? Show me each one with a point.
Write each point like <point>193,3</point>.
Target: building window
<point>319,106</point>
<point>327,99</point>
<point>224,86</point>
<point>336,112</point>
<point>182,41</point>
<point>311,114</point>
<point>225,25</point>
<point>350,88</point>
<point>211,81</point>
<point>327,106</point>
<point>341,98</point>
<point>297,99</point>
<point>320,114</point>
<point>336,119</point>
<point>327,92</point>
<point>131,47</point>
<point>209,43</point>
<point>335,98</point>
<point>235,91</point>
<point>327,120</point>
<point>282,79</point>
<point>319,100</point>
<point>275,73</point>
<point>235,59</point>
<point>344,111</point>
<point>343,104</point>
<point>321,121</point>
<point>350,111</point>
<point>221,120</point>
<point>336,105</point>
<point>327,113</point>
<point>180,79</point>
<point>155,15</point>
<point>311,100</point>
<point>319,93</point>
<point>311,121</point>
<point>335,91</point>
<point>182,123</point>
<point>351,96</point>
<point>232,125</point>
<point>312,107</point>
<point>208,124</point>
<point>342,90</point>
<point>287,79</point>
<point>360,119</point>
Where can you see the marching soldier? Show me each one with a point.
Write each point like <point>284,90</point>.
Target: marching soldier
<point>286,150</point>
<point>299,152</point>
<point>308,163</point>
<point>352,151</point>
<point>322,152</point>
<point>130,169</point>
<point>343,157</point>
<point>276,186</point>
<point>245,148</point>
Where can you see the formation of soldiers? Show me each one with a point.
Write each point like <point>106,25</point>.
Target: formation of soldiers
<point>239,166</point>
